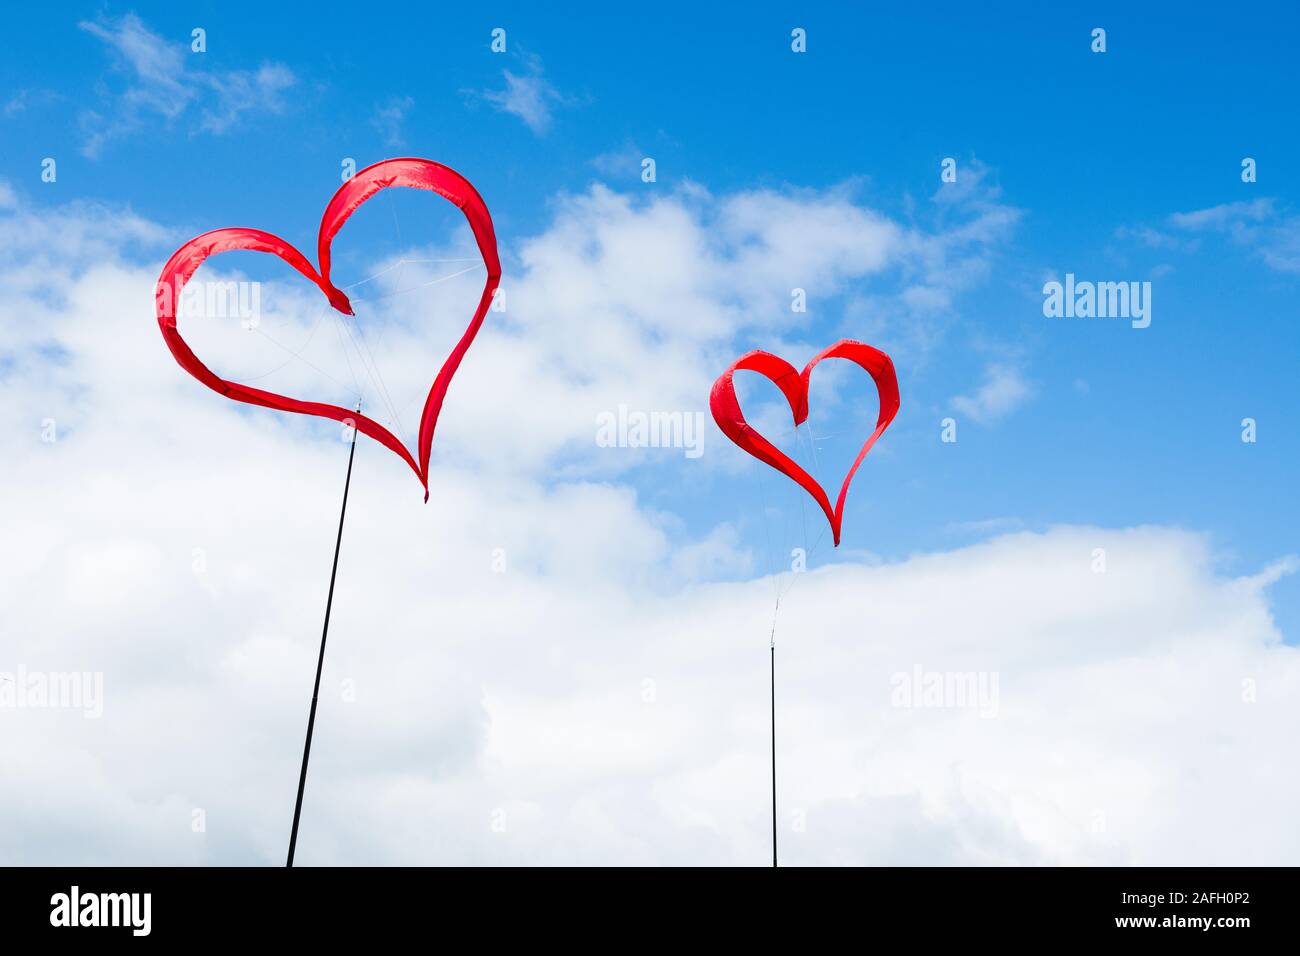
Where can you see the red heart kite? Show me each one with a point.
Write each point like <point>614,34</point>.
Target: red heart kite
<point>794,385</point>
<point>415,173</point>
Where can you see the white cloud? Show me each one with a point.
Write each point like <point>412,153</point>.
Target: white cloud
<point>626,299</point>
<point>622,164</point>
<point>245,91</point>
<point>985,526</point>
<point>164,83</point>
<point>595,711</point>
<point>1155,238</point>
<point>1225,215</point>
<point>600,698</point>
<point>1259,225</point>
<point>389,117</point>
<point>529,96</point>
<point>24,99</point>
<point>1003,390</point>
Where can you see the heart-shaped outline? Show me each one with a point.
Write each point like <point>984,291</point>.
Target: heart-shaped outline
<point>794,386</point>
<point>412,172</point>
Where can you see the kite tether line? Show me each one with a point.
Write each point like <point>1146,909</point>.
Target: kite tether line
<point>320,660</point>
<point>772,652</point>
<point>776,610</point>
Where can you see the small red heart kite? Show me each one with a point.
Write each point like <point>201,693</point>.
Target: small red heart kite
<point>794,385</point>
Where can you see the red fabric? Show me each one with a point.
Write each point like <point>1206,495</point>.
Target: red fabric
<point>794,386</point>
<point>415,173</point>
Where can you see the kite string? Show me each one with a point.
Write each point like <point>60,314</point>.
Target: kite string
<point>778,577</point>
<point>414,288</point>
<point>402,261</point>
<point>776,609</point>
<point>771,651</point>
<point>772,546</point>
<point>293,355</point>
<point>361,342</point>
<point>393,410</point>
<point>320,659</point>
<point>367,357</point>
<point>298,356</point>
<point>371,366</point>
<point>817,468</point>
<point>339,329</point>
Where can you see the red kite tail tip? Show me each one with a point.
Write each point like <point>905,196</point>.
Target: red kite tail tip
<point>801,410</point>
<point>340,301</point>
<point>426,496</point>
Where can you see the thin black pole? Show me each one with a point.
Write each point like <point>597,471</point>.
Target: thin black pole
<point>320,661</point>
<point>772,649</point>
<point>772,652</point>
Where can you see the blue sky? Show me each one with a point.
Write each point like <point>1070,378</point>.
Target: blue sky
<point>1119,427</point>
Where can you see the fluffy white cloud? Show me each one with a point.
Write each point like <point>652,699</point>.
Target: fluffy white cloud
<point>528,95</point>
<point>1003,390</point>
<point>622,300</point>
<point>597,699</point>
<point>1262,226</point>
<point>165,83</point>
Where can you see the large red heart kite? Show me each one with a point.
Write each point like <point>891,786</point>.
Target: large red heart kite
<point>794,386</point>
<point>415,173</point>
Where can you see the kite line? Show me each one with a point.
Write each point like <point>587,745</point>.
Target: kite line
<point>320,660</point>
<point>772,650</point>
